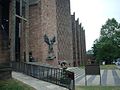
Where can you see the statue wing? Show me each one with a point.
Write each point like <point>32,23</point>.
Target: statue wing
<point>46,39</point>
<point>53,40</point>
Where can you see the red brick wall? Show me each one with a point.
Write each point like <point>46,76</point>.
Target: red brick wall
<point>42,21</point>
<point>52,18</point>
<point>22,41</point>
<point>83,46</point>
<point>35,32</point>
<point>74,39</point>
<point>48,26</point>
<point>64,31</point>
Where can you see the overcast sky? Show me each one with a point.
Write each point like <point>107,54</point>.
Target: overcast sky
<point>93,14</point>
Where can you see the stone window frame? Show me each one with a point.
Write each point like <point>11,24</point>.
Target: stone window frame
<point>21,17</point>
<point>22,21</point>
<point>22,6</point>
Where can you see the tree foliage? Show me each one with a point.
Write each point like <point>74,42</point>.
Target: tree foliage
<point>107,47</point>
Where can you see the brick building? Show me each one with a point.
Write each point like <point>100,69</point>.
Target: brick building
<point>79,46</point>
<point>28,21</point>
<point>50,17</point>
<point>14,30</point>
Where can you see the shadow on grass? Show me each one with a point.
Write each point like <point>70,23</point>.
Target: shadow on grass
<point>13,84</point>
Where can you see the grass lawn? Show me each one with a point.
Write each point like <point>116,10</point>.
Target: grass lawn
<point>13,84</point>
<point>108,67</point>
<point>104,67</point>
<point>97,88</point>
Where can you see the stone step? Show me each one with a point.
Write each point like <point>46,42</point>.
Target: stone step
<point>77,71</point>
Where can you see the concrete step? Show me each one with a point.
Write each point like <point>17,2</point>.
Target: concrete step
<point>77,71</point>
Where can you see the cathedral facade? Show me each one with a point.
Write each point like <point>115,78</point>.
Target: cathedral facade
<point>40,31</point>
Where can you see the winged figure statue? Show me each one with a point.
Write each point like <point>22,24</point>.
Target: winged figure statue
<point>50,43</point>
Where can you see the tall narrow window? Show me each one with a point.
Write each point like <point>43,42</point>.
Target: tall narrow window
<point>17,39</point>
<point>5,23</point>
<point>23,8</point>
<point>20,25</point>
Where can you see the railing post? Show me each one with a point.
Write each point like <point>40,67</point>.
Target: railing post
<point>54,75</point>
<point>47,74</point>
<point>73,81</point>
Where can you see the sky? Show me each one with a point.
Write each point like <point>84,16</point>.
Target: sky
<point>93,14</point>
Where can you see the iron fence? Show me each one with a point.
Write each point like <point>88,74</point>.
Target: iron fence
<point>57,76</point>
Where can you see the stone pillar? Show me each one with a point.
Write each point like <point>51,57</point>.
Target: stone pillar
<point>12,30</point>
<point>64,31</point>
<point>0,32</point>
<point>0,20</point>
<point>0,14</point>
<point>80,46</point>
<point>74,39</point>
<point>27,33</point>
<point>77,41</point>
<point>83,48</point>
<point>84,45</point>
<point>49,27</point>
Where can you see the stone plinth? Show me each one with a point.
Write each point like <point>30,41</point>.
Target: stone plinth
<point>5,72</point>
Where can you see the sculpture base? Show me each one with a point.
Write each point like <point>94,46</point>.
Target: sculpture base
<point>5,72</point>
<point>51,57</point>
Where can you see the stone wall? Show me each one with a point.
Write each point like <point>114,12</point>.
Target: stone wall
<point>12,30</point>
<point>64,31</point>
<point>74,39</point>
<point>43,21</point>
<point>48,26</point>
<point>5,72</point>
<point>51,17</point>
<point>83,46</point>
<point>23,33</point>
<point>77,42</point>
<point>79,46</point>
<point>35,32</point>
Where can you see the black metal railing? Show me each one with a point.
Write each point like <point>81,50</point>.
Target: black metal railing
<point>57,76</point>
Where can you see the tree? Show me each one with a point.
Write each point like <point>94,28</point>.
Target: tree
<point>107,47</point>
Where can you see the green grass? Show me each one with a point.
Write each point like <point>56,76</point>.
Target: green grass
<point>82,67</point>
<point>13,84</point>
<point>97,88</point>
<point>108,67</point>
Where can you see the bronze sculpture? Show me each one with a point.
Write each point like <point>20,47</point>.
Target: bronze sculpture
<point>50,43</point>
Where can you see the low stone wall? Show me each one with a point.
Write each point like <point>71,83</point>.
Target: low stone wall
<point>5,72</point>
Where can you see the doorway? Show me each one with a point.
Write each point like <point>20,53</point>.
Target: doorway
<point>4,25</point>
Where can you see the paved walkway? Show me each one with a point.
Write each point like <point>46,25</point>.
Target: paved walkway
<point>108,77</point>
<point>36,83</point>
<point>118,66</point>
